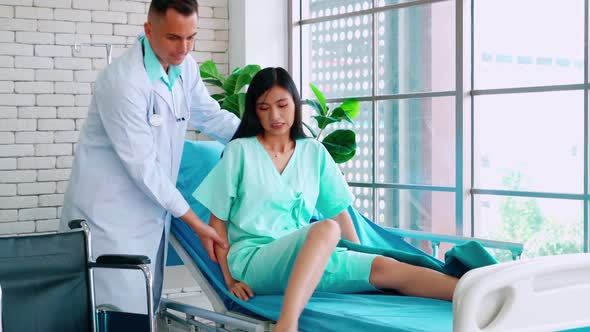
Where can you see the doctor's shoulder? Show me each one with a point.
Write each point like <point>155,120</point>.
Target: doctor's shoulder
<point>190,63</point>
<point>122,78</point>
<point>190,68</point>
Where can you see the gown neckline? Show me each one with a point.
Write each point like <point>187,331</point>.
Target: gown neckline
<point>269,159</point>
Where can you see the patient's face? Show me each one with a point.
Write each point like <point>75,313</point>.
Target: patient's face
<point>276,111</point>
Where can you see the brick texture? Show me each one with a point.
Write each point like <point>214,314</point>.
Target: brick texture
<point>46,87</point>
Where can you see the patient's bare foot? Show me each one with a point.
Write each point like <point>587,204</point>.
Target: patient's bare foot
<point>283,326</point>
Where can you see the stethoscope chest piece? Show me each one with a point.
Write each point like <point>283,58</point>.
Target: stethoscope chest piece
<point>155,120</point>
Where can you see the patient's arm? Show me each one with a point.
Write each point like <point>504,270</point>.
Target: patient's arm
<point>238,288</point>
<point>347,227</point>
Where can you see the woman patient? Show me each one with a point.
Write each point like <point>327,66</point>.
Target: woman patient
<point>261,196</point>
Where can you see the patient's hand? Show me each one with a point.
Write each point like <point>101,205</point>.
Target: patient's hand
<point>240,290</point>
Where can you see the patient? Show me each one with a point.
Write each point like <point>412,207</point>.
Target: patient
<point>261,196</point>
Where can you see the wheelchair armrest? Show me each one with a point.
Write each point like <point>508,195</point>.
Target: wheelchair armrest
<point>123,260</point>
<point>130,262</point>
<point>76,223</point>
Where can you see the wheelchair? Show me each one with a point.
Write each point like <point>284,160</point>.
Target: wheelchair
<point>46,283</point>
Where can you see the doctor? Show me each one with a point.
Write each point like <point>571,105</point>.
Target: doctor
<point>128,157</point>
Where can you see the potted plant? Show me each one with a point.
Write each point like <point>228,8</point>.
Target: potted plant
<point>232,98</point>
<point>341,143</point>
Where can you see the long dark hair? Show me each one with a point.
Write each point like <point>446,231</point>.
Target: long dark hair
<point>263,81</point>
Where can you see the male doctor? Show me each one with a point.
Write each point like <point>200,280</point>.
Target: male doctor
<point>128,157</point>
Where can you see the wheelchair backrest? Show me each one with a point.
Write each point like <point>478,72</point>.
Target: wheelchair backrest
<point>44,282</point>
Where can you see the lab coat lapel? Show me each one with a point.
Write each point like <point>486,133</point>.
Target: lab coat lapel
<point>161,90</point>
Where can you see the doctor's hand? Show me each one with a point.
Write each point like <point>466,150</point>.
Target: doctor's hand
<point>208,236</point>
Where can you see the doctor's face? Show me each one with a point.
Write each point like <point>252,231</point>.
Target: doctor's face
<point>276,111</point>
<point>171,36</point>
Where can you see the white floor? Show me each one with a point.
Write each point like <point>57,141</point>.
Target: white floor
<point>181,287</point>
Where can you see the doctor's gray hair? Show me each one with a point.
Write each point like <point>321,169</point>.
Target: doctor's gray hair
<point>184,7</point>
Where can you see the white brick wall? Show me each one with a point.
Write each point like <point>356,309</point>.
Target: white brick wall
<point>45,88</point>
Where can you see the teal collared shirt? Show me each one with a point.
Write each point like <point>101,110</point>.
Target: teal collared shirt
<point>154,68</point>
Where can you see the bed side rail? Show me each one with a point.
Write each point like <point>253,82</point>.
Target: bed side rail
<point>436,239</point>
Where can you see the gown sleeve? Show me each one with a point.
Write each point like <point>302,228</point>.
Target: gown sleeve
<point>218,190</point>
<point>334,194</point>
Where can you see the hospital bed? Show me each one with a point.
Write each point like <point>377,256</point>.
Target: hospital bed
<point>542,294</point>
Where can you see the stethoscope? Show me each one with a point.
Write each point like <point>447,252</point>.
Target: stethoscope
<point>155,119</point>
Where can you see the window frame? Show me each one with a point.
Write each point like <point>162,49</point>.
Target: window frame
<point>464,93</point>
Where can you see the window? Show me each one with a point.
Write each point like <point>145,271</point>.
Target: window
<point>529,124</point>
<point>520,149</point>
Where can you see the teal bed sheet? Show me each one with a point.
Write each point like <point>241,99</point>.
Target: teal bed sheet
<point>328,311</point>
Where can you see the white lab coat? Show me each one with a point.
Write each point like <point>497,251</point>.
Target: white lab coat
<point>125,170</point>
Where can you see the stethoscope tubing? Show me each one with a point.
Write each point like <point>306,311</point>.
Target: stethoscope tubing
<point>155,119</point>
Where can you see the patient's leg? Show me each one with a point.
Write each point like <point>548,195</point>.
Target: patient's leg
<point>387,273</point>
<point>309,267</point>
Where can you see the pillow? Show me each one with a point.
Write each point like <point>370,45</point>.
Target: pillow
<point>198,159</point>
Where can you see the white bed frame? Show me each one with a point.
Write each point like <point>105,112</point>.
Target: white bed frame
<point>542,294</point>
<point>175,316</point>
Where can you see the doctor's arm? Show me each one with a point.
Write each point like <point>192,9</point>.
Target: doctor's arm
<point>238,288</point>
<point>122,110</point>
<point>208,235</point>
<point>206,116</point>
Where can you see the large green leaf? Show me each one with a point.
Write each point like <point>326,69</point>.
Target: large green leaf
<point>340,114</point>
<point>340,142</point>
<point>315,105</point>
<point>341,158</point>
<point>235,104</point>
<point>352,107</point>
<point>242,103</point>
<point>213,81</point>
<point>218,96</point>
<point>208,69</point>
<point>320,97</point>
<point>230,83</point>
<point>323,121</point>
<point>236,70</point>
<point>232,104</point>
<point>245,76</point>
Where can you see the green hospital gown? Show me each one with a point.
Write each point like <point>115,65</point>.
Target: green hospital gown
<point>267,214</point>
